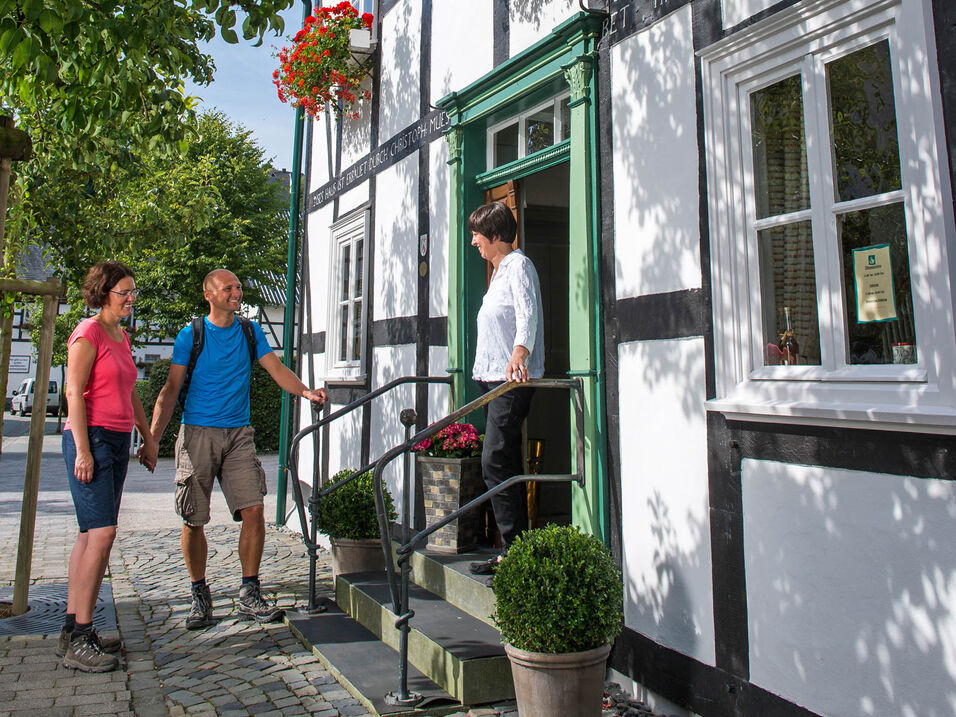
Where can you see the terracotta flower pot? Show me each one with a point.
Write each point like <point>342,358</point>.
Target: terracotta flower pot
<point>356,556</point>
<point>568,684</point>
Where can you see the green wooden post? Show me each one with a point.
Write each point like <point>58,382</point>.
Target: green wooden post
<point>456,264</point>
<point>588,505</point>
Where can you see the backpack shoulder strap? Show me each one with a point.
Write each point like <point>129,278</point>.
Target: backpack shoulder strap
<point>250,334</point>
<point>199,330</point>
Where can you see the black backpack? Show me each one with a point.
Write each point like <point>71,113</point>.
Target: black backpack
<point>199,330</point>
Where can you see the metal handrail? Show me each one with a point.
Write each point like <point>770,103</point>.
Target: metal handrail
<point>309,532</point>
<point>399,589</point>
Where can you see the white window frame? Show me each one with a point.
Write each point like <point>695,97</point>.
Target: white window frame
<point>346,232</point>
<point>522,119</point>
<point>802,38</point>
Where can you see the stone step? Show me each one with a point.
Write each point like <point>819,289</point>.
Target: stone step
<point>460,653</point>
<point>366,666</point>
<point>447,576</point>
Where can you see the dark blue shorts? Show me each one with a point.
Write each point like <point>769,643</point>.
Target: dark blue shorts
<point>97,503</point>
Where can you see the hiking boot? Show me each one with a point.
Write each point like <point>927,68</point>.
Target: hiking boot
<point>200,614</point>
<point>86,655</point>
<point>107,644</point>
<point>252,605</point>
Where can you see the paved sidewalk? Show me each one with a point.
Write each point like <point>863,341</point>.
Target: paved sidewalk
<point>233,668</point>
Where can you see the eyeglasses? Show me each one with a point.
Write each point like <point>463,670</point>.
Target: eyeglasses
<point>126,293</point>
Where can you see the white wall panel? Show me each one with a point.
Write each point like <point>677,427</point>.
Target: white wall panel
<point>320,234</point>
<point>462,44</point>
<point>851,589</point>
<point>401,49</point>
<point>531,21</point>
<point>439,396</point>
<point>320,153</point>
<point>735,12</point>
<point>396,240</point>
<point>438,219</point>
<point>392,362</point>
<point>354,198</point>
<point>655,163</point>
<point>666,532</point>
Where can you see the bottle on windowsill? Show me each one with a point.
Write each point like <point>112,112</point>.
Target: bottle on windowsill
<point>788,343</point>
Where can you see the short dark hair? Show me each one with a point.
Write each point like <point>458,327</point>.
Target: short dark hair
<point>495,221</point>
<point>102,277</point>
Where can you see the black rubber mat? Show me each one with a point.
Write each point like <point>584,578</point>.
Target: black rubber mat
<point>47,609</point>
<point>367,664</point>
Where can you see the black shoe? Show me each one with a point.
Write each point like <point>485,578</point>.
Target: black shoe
<point>200,614</point>
<point>485,567</point>
<point>252,605</point>
<point>86,655</point>
<point>107,644</point>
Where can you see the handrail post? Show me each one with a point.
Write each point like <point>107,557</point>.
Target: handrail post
<point>404,697</point>
<point>312,607</point>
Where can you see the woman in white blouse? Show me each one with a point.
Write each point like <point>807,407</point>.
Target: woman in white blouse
<point>510,347</point>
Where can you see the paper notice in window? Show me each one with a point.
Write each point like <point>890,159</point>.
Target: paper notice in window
<point>873,274</point>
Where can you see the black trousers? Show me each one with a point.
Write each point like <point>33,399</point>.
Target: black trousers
<point>501,458</point>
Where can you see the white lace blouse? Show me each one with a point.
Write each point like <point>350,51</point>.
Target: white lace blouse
<point>510,315</point>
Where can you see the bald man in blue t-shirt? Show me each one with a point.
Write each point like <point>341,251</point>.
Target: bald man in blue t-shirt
<point>216,440</point>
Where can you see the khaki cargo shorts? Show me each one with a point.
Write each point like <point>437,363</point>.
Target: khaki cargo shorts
<point>204,453</point>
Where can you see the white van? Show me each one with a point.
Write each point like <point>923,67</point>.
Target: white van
<point>23,398</point>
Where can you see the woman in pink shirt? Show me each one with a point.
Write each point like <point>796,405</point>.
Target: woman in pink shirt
<point>102,407</point>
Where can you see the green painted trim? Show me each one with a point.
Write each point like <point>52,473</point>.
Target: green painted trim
<point>540,160</point>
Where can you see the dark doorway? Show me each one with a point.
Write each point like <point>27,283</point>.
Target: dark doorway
<point>545,235</point>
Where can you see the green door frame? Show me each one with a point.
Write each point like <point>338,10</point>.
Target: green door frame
<point>564,59</point>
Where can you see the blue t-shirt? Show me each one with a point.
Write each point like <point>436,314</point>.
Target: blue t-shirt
<point>219,390</point>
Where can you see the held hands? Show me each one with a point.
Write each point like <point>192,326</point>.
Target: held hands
<point>317,395</point>
<point>149,453</point>
<point>517,370</point>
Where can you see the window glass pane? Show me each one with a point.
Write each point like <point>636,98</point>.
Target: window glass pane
<point>345,261</point>
<point>866,153</point>
<point>789,295</point>
<point>779,148</point>
<point>876,287</point>
<point>540,130</point>
<point>359,258</point>
<point>506,145</point>
<point>343,331</point>
<point>357,331</point>
<point>564,112</point>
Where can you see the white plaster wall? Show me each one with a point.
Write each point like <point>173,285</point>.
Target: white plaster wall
<point>354,198</point>
<point>390,362</point>
<point>396,240</point>
<point>439,228</point>
<point>735,12</point>
<point>319,224</point>
<point>401,49</point>
<point>357,133</point>
<point>655,163</point>
<point>532,20</point>
<point>320,152</point>
<point>456,64</point>
<point>666,536</point>
<point>439,396</point>
<point>851,589</point>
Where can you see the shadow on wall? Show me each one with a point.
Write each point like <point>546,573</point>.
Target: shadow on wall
<point>852,573</point>
<point>401,105</point>
<point>656,169</point>
<point>662,599</point>
<point>535,11</point>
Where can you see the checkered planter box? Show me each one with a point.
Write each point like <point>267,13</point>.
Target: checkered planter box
<point>447,484</point>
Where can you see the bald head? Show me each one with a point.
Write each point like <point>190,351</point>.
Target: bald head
<point>218,276</point>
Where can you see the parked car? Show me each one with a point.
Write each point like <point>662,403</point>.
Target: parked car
<point>22,402</point>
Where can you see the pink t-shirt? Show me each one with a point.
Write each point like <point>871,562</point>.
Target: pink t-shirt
<point>111,381</point>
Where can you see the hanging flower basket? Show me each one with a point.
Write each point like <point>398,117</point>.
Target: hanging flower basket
<point>319,70</point>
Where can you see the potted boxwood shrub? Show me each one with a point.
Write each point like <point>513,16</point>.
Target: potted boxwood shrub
<point>559,601</point>
<point>347,515</point>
